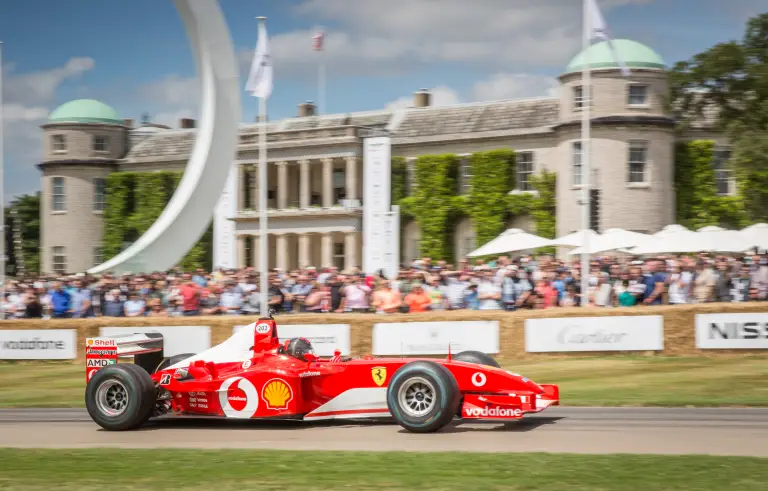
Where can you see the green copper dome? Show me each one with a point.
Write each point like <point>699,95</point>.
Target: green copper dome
<point>85,111</point>
<point>634,55</point>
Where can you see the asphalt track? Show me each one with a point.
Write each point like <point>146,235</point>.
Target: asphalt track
<point>741,432</point>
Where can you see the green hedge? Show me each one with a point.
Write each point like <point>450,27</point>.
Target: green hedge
<point>134,201</point>
<point>697,202</point>
<point>436,204</point>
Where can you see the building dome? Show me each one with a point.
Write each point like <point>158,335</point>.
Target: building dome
<point>634,55</point>
<point>85,111</point>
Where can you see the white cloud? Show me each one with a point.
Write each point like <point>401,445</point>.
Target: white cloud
<point>497,87</point>
<point>371,37</point>
<point>174,97</point>
<point>27,99</point>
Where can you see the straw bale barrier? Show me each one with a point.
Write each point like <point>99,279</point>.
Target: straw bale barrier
<point>679,325</point>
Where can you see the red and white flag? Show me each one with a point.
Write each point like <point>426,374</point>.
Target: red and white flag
<point>317,41</point>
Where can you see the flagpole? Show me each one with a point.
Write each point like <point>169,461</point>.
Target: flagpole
<point>320,70</point>
<point>586,96</point>
<point>263,190</point>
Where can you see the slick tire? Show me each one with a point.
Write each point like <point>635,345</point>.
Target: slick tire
<point>172,360</point>
<point>120,397</point>
<point>477,357</point>
<point>423,396</point>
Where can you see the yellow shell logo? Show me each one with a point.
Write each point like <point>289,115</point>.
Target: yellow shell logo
<point>277,394</point>
<point>90,342</point>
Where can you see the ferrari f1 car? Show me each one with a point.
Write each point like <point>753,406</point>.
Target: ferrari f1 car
<point>253,375</point>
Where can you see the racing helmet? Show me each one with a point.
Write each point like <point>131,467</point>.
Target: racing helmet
<point>297,348</point>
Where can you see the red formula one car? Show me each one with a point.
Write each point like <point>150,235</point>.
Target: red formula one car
<point>252,375</point>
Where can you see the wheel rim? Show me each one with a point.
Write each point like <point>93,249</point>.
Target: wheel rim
<point>112,397</point>
<point>417,396</point>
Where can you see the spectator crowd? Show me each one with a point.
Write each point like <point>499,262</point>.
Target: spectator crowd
<point>502,284</point>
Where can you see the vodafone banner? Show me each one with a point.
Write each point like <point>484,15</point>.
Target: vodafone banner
<point>38,344</point>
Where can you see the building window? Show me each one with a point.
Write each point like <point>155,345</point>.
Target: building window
<point>99,193</point>
<point>59,259</point>
<point>576,165</point>
<point>638,162</point>
<point>59,201</point>
<point>465,175</point>
<point>578,98</point>
<point>59,143</point>
<point>524,171</point>
<point>723,171</point>
<point>98,256</point>
<point>637,95</point>
<point>100,143</point>
<point>338,255</point>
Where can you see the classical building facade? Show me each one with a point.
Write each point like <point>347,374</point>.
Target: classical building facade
<point>315,188</point>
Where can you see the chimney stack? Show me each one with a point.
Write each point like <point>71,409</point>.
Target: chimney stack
<point>422,98</point>
<point>187,123</point>
<point>128,122</point>
<point>306,109</point>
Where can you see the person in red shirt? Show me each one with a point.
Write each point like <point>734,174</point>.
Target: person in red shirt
<point>190,295</point>
<point>547,293</point>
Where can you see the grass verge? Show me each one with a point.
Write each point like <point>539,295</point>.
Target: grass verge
<point>588,381</point>
<point>237,470</point>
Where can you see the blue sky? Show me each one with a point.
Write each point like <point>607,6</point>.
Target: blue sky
<point>135,55</point>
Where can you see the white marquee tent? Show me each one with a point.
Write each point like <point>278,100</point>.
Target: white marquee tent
<point>614,239</point>
<point>511,240</point>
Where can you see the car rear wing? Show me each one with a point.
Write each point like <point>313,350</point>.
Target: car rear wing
<point>146,349</point>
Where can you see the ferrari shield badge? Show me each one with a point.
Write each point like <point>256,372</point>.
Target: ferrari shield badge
<point>379,375</point>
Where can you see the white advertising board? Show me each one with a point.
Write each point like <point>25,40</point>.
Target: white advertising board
<point>732,331</point>
<point>176,339</point>
<point>325,338</point>
<point>224,244</point>
<point>384,252</point>
<point>619,333</point>
<point>433,338</point>
<point>377,199</point>
<point>38,344</point>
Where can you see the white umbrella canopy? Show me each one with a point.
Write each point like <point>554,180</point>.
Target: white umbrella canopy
<point>718,239</point>
<point>670,239</point>
<point>614,239</point>
<point>513,239</point>
<point>574,239</point>
<point>755,236</point>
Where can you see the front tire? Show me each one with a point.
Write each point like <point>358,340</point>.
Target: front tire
<point>477,357</point>
<point>120,397</point>
<point>423,396</point>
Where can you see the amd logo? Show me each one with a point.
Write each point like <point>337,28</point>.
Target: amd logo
<point>738,330</point>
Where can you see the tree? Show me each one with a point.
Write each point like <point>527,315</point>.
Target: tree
<point>28,213</point>
<point>729,82</point>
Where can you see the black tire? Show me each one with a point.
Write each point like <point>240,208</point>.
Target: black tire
<point>172,360</point>
<point>446,396</point>
<point>140,391</point>
<point>477,357</point>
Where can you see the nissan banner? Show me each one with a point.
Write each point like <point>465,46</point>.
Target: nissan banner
<point>732,331</point>
<point>610,333</point>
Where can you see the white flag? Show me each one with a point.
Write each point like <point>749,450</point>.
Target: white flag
<point>259,82</point>
<point>600,31</point>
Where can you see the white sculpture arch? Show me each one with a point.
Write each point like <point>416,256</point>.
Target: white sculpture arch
<point>189,211</point>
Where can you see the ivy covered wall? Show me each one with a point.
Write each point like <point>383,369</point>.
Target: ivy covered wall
<point>134,201</point>
<point>697,202</point>
<point>436,203</point>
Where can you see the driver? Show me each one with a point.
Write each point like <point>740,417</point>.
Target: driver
<point>297,348</point>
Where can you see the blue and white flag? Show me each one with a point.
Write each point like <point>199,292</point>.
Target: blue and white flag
<point>259,82</point>
<point>599,30</point>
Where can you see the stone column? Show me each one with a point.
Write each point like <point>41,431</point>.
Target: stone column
<point>328,200</point>
<point>304,184</point>
<point>326,250</point>
<point>281,252</point>
<point>282,185</point>
<point>350,250</point>
<point>351,175</point>
<point>304,250</point>
<point>241,251</point>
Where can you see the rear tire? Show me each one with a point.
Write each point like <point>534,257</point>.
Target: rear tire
<point>172,360</point>
<point>423,396</point>
<point>120,397</point>
<point>477,357</point>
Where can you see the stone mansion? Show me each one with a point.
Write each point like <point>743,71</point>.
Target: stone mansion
<point>315,163</point>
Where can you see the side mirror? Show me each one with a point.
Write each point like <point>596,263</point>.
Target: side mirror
<point>310,357</point>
